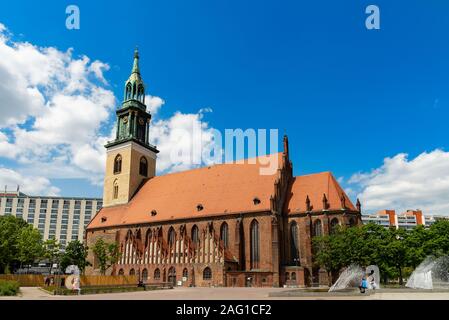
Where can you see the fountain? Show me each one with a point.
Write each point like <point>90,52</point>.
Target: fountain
<point>430,274</point>
<point>374,277</point>
<point>349,278</point>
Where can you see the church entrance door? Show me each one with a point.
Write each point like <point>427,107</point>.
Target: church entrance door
<point>172,276</point>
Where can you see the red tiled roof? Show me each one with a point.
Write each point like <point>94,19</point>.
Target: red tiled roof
<point>314,186</point>
<point>219,189</point>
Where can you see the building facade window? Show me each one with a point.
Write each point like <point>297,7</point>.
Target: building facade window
<point>145,274</point>
<point>172,275</point>
<point>157,274</point>
<point>115,190</point>
<point>254,245</point>
<point>143,168</point>
<point>207,274</point>
<point>132,272</point>
<point>121,272</point>
<point>118,164</point>
<point>224,234</point>
<point>334,225</point>
<point>171,237</point>
<point>185,273</point>
<point>195,236</point>
<point>294,247</point>
<point>317,229</point>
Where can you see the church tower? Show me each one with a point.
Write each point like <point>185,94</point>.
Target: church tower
<point>130,158</point>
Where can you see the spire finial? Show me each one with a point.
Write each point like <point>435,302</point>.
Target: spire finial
<point>285,140</point>
<point>136,68</point>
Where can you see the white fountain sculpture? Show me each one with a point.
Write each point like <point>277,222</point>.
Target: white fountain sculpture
<point>349,278</point>
<point>373,277</point>
<point>432,272</point>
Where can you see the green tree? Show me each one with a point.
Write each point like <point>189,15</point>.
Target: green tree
<point>9,234</point>
<point>106,254</point>
<point>75,253</point>
<point>438,243</point>
<point>29,245</point>
<point>396,251</point>
<point>329,253</point>
<point>52,252</point>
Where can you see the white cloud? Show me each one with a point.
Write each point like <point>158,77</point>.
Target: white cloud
<point>153,104</point>
<point>401,184</point>
<point>181,140</point>
<point>33,185</point>
<point>67,106</point>
<point>66,103</point>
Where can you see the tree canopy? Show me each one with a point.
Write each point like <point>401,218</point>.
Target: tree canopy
<point>392,250</point>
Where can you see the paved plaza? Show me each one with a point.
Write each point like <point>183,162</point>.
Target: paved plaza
<point>31,293</point>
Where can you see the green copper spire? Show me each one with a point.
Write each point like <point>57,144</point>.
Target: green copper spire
<point>133,120</point>
<point>134,87</point>
<point>136,68</point>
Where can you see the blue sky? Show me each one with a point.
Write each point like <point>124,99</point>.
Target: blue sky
<point>346,96</point>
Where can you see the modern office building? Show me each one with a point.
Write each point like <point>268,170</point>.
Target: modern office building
<point>60,218</point>
<point>406,220</point>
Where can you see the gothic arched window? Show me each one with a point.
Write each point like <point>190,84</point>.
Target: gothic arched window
<point>317,229</point>
<point>255,245</point>
<point>352,222</point>
<point>148,237</point>
<point>294,248</point>
<point>185,273</point>
<point>195,236</point>
<point>157,274</point>
<point>143,168</point>
<point>334,225</point>
<point>132,272</point>
<point>134,95</point>
<point>172,275</point>
<point>145,274</point>
<point>115,190</point>
<point>224,234</point>
<point>118,164</point>
<point>140,95</point>
<point>171,237</point>
<point>121,272</point>
<point>207,274</point>
<point>128,92</point>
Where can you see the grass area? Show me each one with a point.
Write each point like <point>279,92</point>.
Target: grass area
<point>9,288</point>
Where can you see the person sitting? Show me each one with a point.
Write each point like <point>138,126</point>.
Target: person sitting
<point>364,285</point>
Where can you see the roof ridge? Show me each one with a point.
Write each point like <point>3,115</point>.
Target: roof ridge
<point>242,161</point>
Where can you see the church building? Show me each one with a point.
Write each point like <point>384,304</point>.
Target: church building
<point>222,225</point>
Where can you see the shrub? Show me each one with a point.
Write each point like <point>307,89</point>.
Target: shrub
<point>9,288</point>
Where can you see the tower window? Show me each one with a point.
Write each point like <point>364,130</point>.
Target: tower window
<point>128,92</point>
<point>118,164</point>
<point>115,190</point>
<point>143,168</point>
